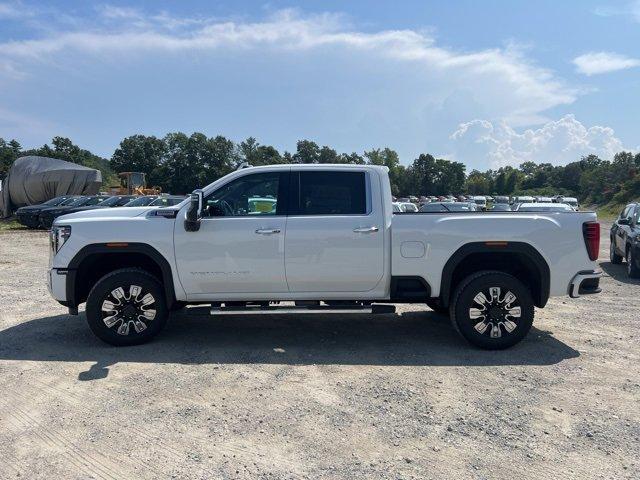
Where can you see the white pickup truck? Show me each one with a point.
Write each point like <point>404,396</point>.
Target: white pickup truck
<point>319,238</point>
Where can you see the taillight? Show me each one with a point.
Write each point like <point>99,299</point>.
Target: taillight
<point>591,234</point>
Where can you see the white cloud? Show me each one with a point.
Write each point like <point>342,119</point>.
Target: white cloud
<point>480,143</point>
<point>631,9</point>
<point>519,91</point>
<point>15,10</point>
<point>595,63</point>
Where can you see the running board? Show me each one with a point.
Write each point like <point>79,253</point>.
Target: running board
<point>284,310</point>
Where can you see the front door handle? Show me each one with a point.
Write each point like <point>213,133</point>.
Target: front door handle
<point>366,229</point>
<point>267,231</point>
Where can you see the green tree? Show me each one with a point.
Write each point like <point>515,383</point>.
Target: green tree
<point>306,152</point>
<point>9,151</point>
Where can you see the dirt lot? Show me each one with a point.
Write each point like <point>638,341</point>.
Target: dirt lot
<point>311,397</point>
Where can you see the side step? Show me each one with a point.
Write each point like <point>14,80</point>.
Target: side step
<point>286,310</point>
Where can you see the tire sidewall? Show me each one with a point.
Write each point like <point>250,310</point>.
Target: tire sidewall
<point>464,300</point>
<point>124,278</point>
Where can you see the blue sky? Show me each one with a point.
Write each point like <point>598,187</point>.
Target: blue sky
<point>487,83</point>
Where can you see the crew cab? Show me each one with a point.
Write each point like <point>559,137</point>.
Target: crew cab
<point>317,238</point>
<point>625,239</point>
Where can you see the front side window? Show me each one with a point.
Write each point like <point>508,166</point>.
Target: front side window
<point>250,195</point>
<point>332,193</point>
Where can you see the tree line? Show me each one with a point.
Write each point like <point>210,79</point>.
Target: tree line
<point>179,163</point>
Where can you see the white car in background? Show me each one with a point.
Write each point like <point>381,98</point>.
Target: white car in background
<point>409,207</point>
<point>480,201</point>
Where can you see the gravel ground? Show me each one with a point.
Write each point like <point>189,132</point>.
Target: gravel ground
<point>394,396</point>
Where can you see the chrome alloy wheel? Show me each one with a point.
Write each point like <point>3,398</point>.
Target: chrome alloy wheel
<point>124,310</point>
<point>494,314</point>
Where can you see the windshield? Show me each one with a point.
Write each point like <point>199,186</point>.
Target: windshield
<point>55,201</point>
<point>94,201</point>
<point>111,202</point>
<point>140,202</point>
<point>70,201</point>
<point>171,201</point>
<point>75,202</point>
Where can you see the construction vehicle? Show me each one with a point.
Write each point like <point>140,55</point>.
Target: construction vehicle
<point>133,183</point>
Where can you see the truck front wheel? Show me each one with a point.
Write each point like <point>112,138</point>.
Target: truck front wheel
<point>492,310</point>
<point>127,307</point>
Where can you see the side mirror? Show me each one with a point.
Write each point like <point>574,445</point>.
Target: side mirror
<point>624,221</point>
<point>194,214</point>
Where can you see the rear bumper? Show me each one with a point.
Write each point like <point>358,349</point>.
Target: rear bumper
<point>585,283</point>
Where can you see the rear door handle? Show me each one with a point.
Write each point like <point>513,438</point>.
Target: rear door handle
<point>267,231</point>
<point>366,229</point>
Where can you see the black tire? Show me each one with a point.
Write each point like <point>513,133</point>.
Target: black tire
<point>613,255</point>
<point>140,326</point>
<point>434,304</point>
<point>632,269</point>
<point>502,328</point>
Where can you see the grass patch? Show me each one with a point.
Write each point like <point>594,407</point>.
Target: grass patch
<point>610,211</point>
<point>8,224</point>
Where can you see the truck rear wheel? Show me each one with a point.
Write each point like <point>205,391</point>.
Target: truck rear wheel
<point>492,310</point>
<point>127,307</point>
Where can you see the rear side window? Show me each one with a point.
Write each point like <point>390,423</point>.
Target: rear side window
<point>332,193</point>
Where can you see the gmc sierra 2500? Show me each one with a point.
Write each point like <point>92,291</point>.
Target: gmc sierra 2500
<point>326,238</point>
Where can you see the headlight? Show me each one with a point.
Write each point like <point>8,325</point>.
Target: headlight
<point>58,236</point>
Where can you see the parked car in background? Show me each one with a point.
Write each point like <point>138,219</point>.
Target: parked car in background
<point>543,199</point>
<point>571,201</point>
<point>625,239</point>
<point>48,215</point>
<point>524,199</point>
<point>409,207</point>
<point>480,201</point>
<point>29,215</point>
<point>543,207</point>
<point>447,207</point>
<point>501,199</point>
<point>396,207</point>
<point>500,207</point>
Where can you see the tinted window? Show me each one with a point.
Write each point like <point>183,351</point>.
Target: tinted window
<point>255,194</point>
<point>333,193</point>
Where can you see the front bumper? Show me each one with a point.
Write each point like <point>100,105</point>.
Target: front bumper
<point>28,220</point>
<point>57,284</point>
<point>585,283</point>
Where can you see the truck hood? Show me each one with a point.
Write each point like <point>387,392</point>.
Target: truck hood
<point>105,213</point>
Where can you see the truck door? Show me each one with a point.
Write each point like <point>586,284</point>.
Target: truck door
<point>240,245</point>
<point>335,235</point>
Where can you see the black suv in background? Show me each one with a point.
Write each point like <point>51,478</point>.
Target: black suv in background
<point>29,215</point>
<point>625,239</point>
<point>48,215</point>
